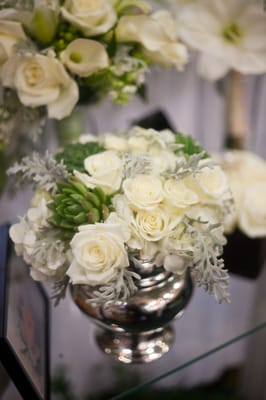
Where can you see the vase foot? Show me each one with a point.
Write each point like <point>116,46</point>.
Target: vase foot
<point>132,348</point>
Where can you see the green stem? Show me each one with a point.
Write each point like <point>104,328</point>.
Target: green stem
<point>70,128</point>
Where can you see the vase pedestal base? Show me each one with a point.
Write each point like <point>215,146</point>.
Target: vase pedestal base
<point>132,348</point>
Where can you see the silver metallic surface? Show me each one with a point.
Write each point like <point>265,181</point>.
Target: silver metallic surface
<point>136,330</point>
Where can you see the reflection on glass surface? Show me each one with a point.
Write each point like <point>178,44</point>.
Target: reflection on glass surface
<point>204,328</point>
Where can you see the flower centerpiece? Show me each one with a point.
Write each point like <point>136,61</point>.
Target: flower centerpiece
<point>55,54</point>
<point>104,203</point>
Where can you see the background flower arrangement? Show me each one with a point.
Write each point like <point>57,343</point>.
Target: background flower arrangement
<point>229,37</point>
<point>55,54</point>
<point>247,177</point>
<point>103,204</point>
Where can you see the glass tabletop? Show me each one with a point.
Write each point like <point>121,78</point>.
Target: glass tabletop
<point>209,337</point>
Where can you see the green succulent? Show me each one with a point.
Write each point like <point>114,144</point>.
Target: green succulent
<point>75,205</point>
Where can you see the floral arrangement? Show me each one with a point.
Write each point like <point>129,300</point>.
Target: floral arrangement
<point>104,203</point>
<point>227,34</point>
<point>246,173</point>
<point>55,54</point>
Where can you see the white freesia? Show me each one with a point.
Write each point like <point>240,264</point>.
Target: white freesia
<point>143,191</point>
<point>157,34</point>
<point>104,170</point>
<point>11,33</point>
<point>92,17</point>
<point>41,81</point>
<point>98,254</point>
<point>229,34</point>
<point>84,57</point>
<point>178,194</point>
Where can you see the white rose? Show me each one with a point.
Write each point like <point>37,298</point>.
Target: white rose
<point>156,33</point>
<point>98,254</point>
<point>125,215</point>
<point>92,17</point>
<point>84,57</point>
<point>246,172</point>
<point>162,160</point>
<point>252,211</point>
<point>143,191</point>
<point>105,171</point>
<point>114,142</point>
<point>178,194</point>
<point>41,81</point>
<point>138,145</point>
<point>11,33</point>
<point>212,181</point>
<point>153,225</point>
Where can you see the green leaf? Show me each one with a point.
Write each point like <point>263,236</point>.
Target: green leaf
<point>189,145</point>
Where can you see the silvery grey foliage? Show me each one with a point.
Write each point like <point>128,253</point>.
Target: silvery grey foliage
<point>135,165</point>
<point>209,266</point>
<point>116,290</point>
<point>189,166</point>
<point>17,4</point>
<point>59,290</point>
<point>43,171</point>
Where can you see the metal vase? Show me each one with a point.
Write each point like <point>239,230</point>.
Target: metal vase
<point>138,330</point>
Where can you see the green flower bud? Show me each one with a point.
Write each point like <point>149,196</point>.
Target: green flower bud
<point>44,25</point>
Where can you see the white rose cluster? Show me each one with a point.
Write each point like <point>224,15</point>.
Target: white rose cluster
<point>246,172</point>
<point>48,53</point>
<point>151,206</point>
<point>125,201</point>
